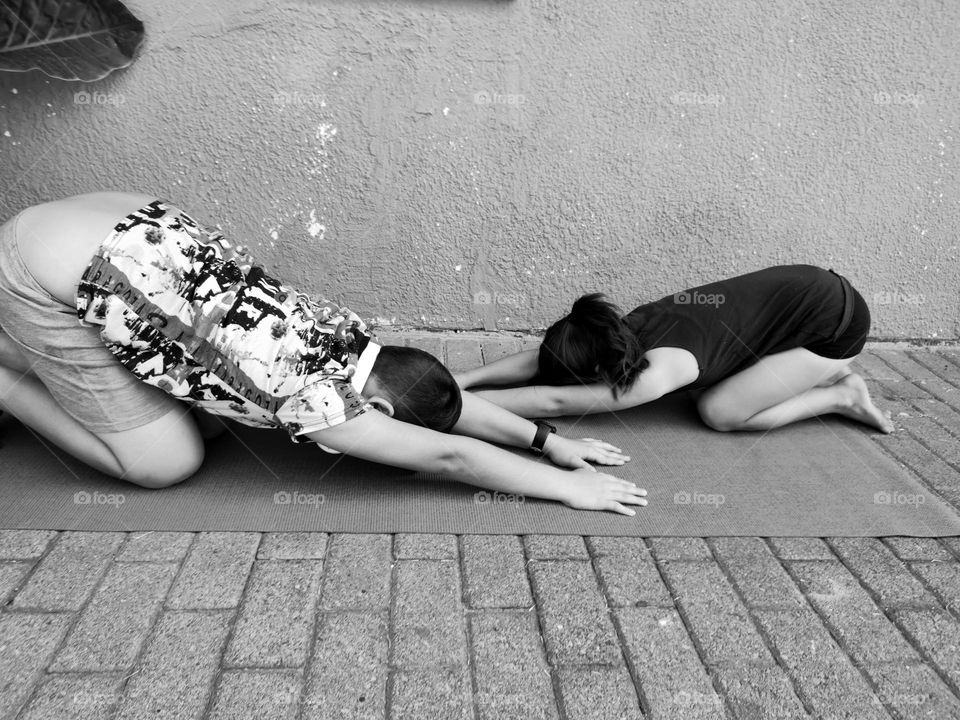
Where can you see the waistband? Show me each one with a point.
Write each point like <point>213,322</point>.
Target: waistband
<point>847,315</point>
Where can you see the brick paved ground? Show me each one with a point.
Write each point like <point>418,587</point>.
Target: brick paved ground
<point>306,625</point>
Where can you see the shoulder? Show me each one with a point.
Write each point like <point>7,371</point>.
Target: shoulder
<point>670,367</point>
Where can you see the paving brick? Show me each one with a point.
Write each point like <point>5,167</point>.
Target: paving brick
<point>511,675</point>
<point>67,575</point>
<point>937,439</point>
<point>910,548</point>
<point>880,570</point>
<point>156,547</point>
<point>716,617</point>
<point>292,546</point>
<point>940,367</point>
<point>118,618</point>
<point>573,613</point>
<point>431,343</point>
<point>260,694</point>
<point>276,619</point>
<point>215,571</point>
<point>555,547</point>
<point>348,673</point>
<point>930,468</point>
<point>435,693</point>
<point>174,676</point>
<point>673,681</point>
<point>871,366</point>
<point>758,692</point>
<point>938,634</point>
<point>598,694</point>
<point>914,691</point>
<point>831,687</point>
<point>495,573</point>
<point>531,343</point>
<point>26,643</point>
<point>494,349</point>
<point>678,548</point>
<point>632,582</point>
<point>424,546</point>
<point>24,544</point>
<point>357,572</point>
<point>790,548</point>
<point>944,578</point>
<point>11,574</point>
<point>71,697</point>
<point>389,336</point>
<point>428,617</point>
<point>757,573</point>
<point>463,353</point>
<point>953,544</point>
<point>864,631</point>
<point>627,548</point>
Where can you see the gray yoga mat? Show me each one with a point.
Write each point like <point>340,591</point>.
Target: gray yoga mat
<point>817,478</point>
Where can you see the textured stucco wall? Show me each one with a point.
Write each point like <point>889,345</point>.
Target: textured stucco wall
<point>472,163</point>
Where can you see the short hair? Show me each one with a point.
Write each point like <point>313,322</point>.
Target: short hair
<point>421,390</point>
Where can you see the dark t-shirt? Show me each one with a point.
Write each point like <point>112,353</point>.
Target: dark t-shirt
<point>730,324</point>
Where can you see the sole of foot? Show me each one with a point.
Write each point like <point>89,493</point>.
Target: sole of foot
<point>860,407</point>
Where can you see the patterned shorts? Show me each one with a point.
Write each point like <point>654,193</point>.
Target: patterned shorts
<point>188,313</point>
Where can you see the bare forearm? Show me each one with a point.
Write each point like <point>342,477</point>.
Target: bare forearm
<point>499,470</point>
<point>530,402</point>
<point>488,421</point>
<point>517,368</point>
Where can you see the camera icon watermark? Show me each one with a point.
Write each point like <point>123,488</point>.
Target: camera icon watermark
<point>485,97</point>
<point>83,497</point>
<point>298,498</point>
<point>296,98</point>
<point>886,98</point>
<point>694,297</point>
<point>892,497</point>
<point>698,498</point>
<point>507,299</point>
<point>85,97</point>
<point>697,98</point>
<point>898,298</point>
<point>485,497</point>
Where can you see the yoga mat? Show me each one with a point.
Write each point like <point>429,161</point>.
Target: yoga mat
<point>822,477</point>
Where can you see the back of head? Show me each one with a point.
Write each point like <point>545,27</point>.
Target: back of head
<point>591,344</point>
<point>421,390</point>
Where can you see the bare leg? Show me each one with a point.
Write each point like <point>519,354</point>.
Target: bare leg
<point>787,387</point>
<point>160,453</point>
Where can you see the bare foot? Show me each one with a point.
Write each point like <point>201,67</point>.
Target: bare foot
<point>859,406</point>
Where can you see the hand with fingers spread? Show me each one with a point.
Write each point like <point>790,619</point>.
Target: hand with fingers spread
<point>598,491</point>
<point>567,452</point>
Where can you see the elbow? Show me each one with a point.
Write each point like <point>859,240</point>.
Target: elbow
<point>551,403</point>
<point>452,461</point>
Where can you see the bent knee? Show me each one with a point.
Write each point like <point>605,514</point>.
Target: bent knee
<point>158,475</point>
<point>716,415</point>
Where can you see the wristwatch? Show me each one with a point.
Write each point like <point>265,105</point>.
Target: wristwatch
<point>540,439</point>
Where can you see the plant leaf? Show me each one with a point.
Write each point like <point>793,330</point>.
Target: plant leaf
<point>68,39</point>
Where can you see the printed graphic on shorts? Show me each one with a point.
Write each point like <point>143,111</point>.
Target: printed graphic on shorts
<point>186,312</point>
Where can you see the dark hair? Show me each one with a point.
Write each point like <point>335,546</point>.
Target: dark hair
<point>591,344</point>
<point>421,390</point>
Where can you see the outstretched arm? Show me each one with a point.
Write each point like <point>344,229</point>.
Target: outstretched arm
<point>376,437</point>
<point>556,400</point>
<point>486,421</point>
<point>513,369</point>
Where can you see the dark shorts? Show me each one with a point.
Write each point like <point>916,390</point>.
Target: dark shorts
<point>848,339</point>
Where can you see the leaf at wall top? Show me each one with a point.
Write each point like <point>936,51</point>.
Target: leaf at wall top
<point>68,39</point>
